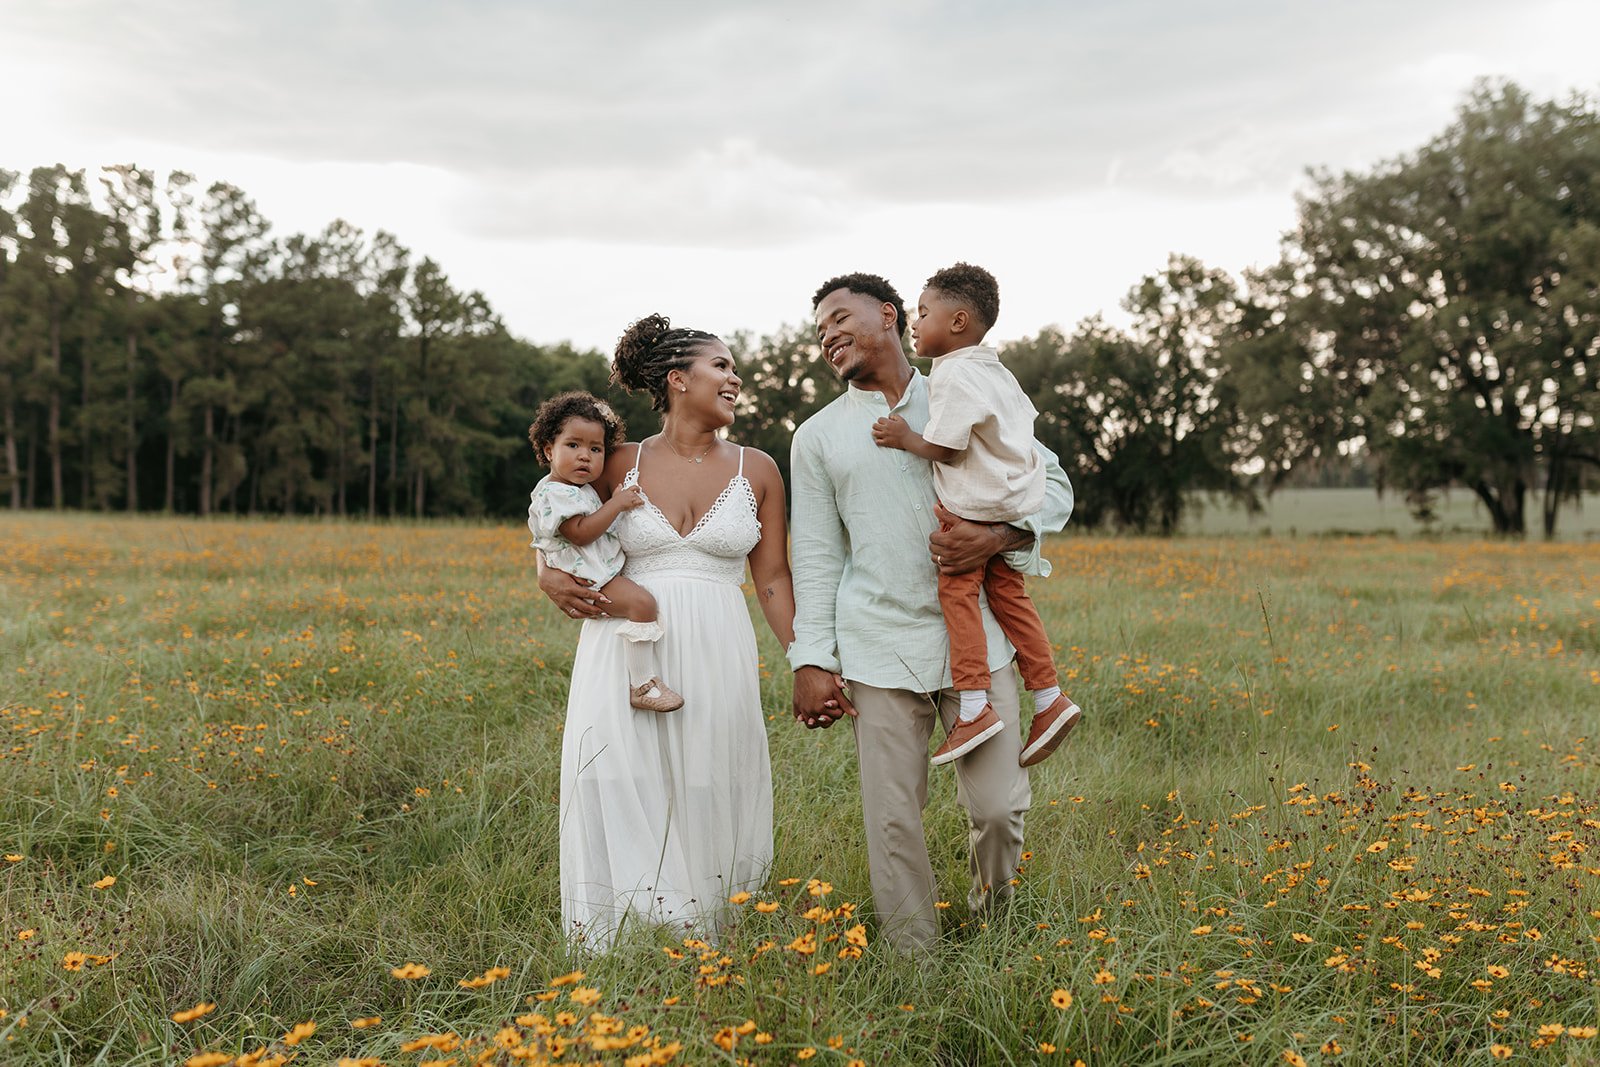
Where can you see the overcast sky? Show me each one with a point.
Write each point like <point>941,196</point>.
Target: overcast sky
<point>586,163</point>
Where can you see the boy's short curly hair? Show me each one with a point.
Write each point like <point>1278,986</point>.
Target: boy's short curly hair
<point>868,285</point>
<point>554,413</point>
<point>972,286</point>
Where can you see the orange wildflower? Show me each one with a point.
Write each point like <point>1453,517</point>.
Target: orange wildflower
<point>189,1015</point>
<point>299,1032</point>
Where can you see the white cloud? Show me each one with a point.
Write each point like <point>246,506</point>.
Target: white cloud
<point>1228,159</point>
<point>721,158</point>
<point>735,194</point>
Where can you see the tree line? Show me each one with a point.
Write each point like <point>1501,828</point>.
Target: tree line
<point>1431,323</point>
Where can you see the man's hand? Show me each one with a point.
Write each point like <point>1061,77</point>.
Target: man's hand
<point>891,431</point>
<point>819,698</point>
<point>576,597</point>
<point>966,546</point>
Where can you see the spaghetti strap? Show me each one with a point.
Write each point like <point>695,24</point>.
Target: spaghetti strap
<point>638,453</point>
<point>741,462</point>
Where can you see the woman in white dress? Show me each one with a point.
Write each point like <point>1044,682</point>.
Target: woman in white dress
<point>664,817</point>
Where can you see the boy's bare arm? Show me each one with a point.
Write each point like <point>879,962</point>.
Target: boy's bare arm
<point>585,529</point>
<point>893,432</point>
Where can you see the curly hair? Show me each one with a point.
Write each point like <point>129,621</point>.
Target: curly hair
<point>554,413</point>
<point>972,286</point>
<point>867,285</point>
<point>649,350</point>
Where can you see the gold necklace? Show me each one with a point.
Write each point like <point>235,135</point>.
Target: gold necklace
<point>688,459</point>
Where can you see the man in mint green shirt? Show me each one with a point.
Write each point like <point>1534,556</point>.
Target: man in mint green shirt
<point>870,641</point>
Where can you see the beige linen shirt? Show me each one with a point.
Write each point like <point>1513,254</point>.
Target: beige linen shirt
<point>976,405</point>
<point>866,593</point>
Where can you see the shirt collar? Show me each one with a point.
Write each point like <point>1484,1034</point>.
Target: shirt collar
<point>874,398</point>
<point>985,353</point>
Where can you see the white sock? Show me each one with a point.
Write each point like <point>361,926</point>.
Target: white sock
<point>972,702</point>
<point>639,650</point>
<point>1043,698</point>
<point>640,657</point>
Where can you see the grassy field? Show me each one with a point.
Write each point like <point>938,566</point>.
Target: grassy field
<point>1319,512</point>
<point>277,789</point>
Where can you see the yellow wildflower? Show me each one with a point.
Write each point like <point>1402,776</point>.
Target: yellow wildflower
<point>489,977</point>
<point>300,1032</point>
<point>189,1015</point>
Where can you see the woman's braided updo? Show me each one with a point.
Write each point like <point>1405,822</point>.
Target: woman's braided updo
<point>649,350</point>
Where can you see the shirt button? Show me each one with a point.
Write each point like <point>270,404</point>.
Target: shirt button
<point>903,467</point>
<point>917,506</point>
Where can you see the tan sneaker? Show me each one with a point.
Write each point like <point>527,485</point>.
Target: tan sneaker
<point>1050,727</point>
<point>654,696</point>
<point>966,736</point>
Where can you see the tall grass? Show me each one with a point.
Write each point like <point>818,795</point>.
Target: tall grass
<point>1334,800</point>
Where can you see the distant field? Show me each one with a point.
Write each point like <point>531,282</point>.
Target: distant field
<point>289,789</point>
<point>1311,512</point>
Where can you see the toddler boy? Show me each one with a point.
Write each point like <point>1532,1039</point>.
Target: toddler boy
<point>979,438</point>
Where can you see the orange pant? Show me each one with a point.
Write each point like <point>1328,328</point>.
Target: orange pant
<point>1013,610</point>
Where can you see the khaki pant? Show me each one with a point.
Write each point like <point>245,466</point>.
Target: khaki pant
<point>892,731</point>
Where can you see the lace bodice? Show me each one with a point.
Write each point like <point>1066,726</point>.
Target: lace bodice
<point>714,550</point>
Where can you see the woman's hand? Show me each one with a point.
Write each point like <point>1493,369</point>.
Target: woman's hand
<point>819,698</point>
<point>576,597</point>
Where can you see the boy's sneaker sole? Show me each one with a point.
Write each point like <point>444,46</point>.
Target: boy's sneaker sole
<point>1055,731</point>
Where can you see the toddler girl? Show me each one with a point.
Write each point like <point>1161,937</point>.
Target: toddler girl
<point>573,434</point>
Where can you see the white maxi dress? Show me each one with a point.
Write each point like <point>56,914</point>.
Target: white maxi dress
<point>665,816</point>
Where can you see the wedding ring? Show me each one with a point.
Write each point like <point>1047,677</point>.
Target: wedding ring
<point>938,561</point>
<point>573,612</point>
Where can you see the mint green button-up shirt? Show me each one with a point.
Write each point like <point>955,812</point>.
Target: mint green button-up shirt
<point>866,592</point>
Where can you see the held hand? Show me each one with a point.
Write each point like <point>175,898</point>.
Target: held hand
<point>819,698</point>
<point>628,497</point>
<point>890,432</point>
<point>964,546</point>
<point>576,597</point>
